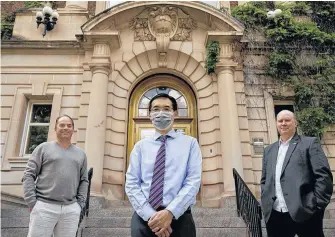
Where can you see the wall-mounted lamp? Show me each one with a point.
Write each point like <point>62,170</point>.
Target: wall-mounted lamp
<point>273,14</point>
<point>258,145</point>
<point>47,12</point>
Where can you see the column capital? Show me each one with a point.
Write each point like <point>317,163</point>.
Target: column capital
<point>226,57</point>
<point>101,62</point>
<point>225,68</point>
<point>103,68</point>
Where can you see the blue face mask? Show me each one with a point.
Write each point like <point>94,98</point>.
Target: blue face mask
<point>161,120</point>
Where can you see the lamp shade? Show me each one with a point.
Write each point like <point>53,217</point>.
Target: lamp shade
<point>277,12</point>
<point>39,15</point>
<point>47,10</point>
<point>55,15</point>
<point>270,15</point>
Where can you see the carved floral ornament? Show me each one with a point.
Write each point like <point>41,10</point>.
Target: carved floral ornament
<point>165,21</point>
<point>162,24</point>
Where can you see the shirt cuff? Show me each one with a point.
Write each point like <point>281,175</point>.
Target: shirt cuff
<point>147,212</point>
<point>176,212</point>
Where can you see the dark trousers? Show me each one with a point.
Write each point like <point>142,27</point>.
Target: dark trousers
<point>281,225</point>
<point>182,227</point>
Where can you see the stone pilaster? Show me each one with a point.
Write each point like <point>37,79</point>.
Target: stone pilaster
<point>97,114</point>
<point>229,127</point>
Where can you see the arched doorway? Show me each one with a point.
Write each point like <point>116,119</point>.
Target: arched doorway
<point>139,123</point>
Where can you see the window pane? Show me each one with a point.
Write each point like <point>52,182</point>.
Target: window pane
<point>163,90</point>
<point>41,113</point>
<point>182,112</point>
<point>151,93</point>
<point>143,112</point>
<point>144,103</point>
<point>181,103</point>
<point>37,135</point>
<point>175,94</point>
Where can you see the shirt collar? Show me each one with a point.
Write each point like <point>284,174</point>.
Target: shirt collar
<point>288,141</point>
<point>171,133</point>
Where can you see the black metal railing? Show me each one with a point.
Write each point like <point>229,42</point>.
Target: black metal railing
<point>248,207</point>
<point>85,210</point>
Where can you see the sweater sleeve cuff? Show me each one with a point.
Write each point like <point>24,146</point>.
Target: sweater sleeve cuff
<point>32,204</point>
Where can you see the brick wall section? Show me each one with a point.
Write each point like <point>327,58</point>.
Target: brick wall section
<point>233,4</point>
<point>9,7</point>
<point>60,4</point>
<point>91,8</point>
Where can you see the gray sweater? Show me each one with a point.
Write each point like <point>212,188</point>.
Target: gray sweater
<point>60,175</point>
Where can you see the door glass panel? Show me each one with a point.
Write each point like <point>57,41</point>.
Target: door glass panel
<point>150,93</point>
<point>163,90</point>
<point>143,112</point>
<point>182,112</point>
<point>144,101</point>
<point>147,133</point>
<point>181,103</point>
<point>175,94</point>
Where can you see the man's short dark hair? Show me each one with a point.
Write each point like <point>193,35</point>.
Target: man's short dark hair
<point>173,100</point>
<point>64,115</point>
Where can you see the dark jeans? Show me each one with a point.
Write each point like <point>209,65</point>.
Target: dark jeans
<point>281,225</point>
<point>182,227</point>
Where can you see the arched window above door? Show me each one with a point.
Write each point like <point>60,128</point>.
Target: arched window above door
<point>144,101</point>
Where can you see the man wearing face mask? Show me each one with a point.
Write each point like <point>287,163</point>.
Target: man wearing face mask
<point>164,176</point>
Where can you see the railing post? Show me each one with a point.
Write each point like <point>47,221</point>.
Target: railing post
<point>248,207</point>
<point>237,192</point>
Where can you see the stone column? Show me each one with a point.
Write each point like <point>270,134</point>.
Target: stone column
<point>229,127</point>
<point>97,112</point>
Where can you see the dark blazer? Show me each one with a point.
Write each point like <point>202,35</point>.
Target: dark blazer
<point>306,179</point>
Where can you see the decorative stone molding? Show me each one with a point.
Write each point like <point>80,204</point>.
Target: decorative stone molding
<point>101,50</point>
<point>170,21</point>
<point>101,58</point>
<point>163,23</point>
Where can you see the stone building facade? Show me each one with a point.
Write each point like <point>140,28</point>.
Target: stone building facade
<point>102,70</point>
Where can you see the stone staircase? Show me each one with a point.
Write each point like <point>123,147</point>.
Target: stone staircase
<point>113,220</point>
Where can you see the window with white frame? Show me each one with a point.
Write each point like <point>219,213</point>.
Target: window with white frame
<point>36,127</point>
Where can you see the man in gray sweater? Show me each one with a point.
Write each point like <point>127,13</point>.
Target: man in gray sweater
<point>55,184</point>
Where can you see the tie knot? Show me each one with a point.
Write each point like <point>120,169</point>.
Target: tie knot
<point>163,138</point>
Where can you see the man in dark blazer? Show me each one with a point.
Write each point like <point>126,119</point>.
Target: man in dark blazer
<point>296,183</point>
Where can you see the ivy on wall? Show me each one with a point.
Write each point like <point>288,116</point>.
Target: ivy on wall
<point>301,55</point>
<point>213,51</point>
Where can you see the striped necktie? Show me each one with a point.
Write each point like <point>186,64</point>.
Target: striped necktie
<point>157,183</point>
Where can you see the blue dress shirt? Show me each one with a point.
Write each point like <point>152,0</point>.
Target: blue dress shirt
<point>181,179</point>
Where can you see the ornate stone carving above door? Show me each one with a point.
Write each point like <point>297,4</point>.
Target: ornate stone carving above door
<point>162,23</point>
<point>170,21</point>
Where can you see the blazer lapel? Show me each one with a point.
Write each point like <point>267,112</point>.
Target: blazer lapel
<point>292,146</point>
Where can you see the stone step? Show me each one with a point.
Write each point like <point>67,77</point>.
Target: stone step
<point>126,212</point>
<point>124,222</point>
<point>201,232</point>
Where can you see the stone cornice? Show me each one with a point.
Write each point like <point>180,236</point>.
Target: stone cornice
<point>39,44</point>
